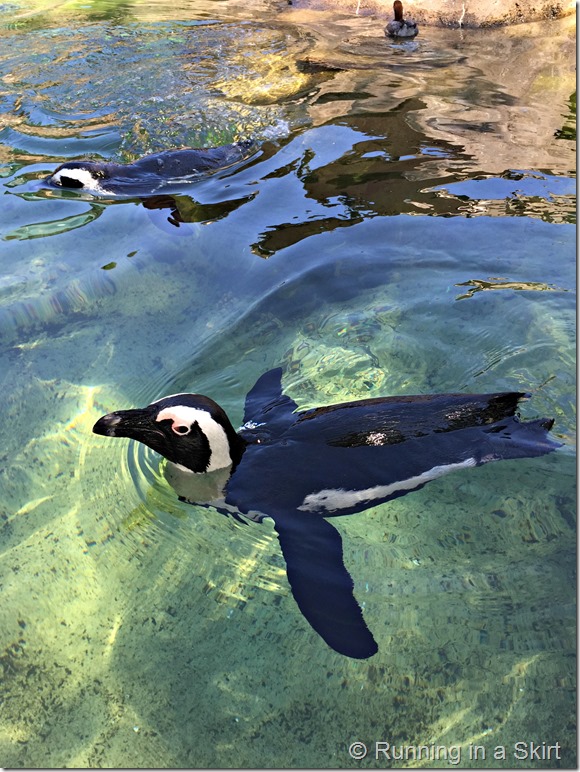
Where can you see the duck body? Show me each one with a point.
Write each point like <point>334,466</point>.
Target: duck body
<point>300,468</point>
<point>400,27</point>
<point>150,173</point>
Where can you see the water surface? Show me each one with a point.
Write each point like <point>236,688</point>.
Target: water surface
<point>407,226</point>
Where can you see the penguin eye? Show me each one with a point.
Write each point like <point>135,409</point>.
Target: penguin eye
<point>181,428</point>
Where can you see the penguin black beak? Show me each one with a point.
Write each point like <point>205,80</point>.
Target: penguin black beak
<point>136,424</point>
<point>107,425</point>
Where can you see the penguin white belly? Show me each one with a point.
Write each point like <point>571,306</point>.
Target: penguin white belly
<point>332,500</point>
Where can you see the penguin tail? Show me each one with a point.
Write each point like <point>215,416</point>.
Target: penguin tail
<point>513,438</point>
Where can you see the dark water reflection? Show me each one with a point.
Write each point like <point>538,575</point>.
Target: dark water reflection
<point>392,182</point>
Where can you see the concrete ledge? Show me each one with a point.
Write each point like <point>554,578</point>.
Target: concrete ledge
<point>453,13</point>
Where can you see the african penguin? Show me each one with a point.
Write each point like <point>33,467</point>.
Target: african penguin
<point>300,468</point>
<point>401,28</point>
<point>149,173</point>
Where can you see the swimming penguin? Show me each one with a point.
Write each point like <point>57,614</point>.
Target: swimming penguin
<point>401,28</point>
<point>149,173</point>
<point>300,468</point>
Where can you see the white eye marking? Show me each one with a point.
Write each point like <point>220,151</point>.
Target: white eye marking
<point>181,429</point>
<point>332,499</point>
<point>219,446</point>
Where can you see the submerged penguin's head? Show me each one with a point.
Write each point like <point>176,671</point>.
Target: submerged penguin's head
<point>187,429</point>
<point>81,175</point>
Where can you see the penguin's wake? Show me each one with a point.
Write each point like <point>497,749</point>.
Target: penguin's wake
<point>300,468</point>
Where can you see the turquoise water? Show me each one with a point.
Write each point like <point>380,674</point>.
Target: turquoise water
<point>406,227</point>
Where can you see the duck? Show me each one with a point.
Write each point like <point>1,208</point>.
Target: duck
<point>399,27</point>
<point>303,467</point>
<point>150,173</point>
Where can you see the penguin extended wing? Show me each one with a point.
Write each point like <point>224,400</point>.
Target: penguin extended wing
<point>321,585</point>
<point>267,405</point>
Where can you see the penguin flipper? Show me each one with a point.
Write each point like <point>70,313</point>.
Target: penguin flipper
<point>321,585</point>
<point>265,401</point>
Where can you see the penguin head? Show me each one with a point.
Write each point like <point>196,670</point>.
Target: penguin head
<point>189,430</point>
<point>81,175</point>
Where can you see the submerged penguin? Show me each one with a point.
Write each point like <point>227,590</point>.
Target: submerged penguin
<point>300,468</point>
<point>149,173</point>
<point>401,28</point>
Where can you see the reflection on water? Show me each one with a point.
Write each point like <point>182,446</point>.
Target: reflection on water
<point>480,285</point>
<point>392,180</point>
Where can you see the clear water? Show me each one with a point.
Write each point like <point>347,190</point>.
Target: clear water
<point>407,227</point>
